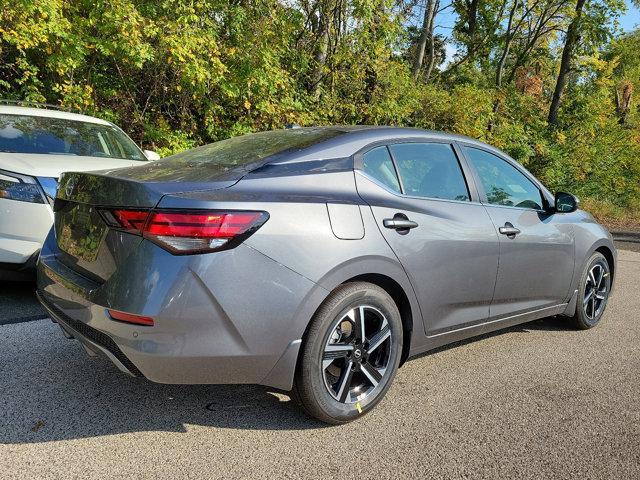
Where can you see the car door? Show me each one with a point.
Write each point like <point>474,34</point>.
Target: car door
<point>442,236</point>
<point>536,246</point>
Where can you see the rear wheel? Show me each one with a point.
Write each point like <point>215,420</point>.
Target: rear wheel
<point>350,353</point>
<point>593,292</point>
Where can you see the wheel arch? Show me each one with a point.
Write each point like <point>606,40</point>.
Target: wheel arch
<point>379,270</point>
<point>388,275</point>
<point>608,254</point>
<point>397,293</point>
<point>606,248</point>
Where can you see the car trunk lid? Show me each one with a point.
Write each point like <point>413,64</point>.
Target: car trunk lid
<point>86,243</point>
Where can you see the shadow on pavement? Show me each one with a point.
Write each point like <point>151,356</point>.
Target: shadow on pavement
<point>18,303</point>
<point>549,324</point>
<point>51,390</point>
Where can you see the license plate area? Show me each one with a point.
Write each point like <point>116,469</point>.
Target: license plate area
<point>80,231</point>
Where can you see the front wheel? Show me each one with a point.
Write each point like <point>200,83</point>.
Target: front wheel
<point>593,292</point>
<point>350,353</point>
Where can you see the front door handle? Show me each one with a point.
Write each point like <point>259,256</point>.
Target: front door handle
<point>399,223</point>
<point>509,230</point>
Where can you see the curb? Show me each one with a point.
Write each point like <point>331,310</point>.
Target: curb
<point>621,236</point>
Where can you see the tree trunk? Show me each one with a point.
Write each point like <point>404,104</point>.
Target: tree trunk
<point>507,45</point>
<point>432,45</point>
<point>472,19</point>
<point>426,38</point>
<point>565,64</point>
<point>320,52</point>
<point>624,92</point>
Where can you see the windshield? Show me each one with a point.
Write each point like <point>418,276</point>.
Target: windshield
<point>57,136</point>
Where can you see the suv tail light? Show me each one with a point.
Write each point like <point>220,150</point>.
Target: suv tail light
<point>186,232</point>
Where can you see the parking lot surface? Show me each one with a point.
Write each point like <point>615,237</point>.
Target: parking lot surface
<point>535,401</point>
<point>18,303</point>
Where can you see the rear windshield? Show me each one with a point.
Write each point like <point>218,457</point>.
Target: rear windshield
<point>56,136</point>
<point>250,148</point>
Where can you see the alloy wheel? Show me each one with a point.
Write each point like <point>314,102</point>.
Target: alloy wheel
<point>357,354</point>
<point>596,291</point>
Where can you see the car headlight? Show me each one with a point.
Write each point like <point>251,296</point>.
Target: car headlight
<point>22,188</point>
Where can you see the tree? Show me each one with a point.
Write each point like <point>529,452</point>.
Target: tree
<point>571,39</point>
<point>426,39</point>
<point>476,29</point>
<point>178,73</point>
<point>591,26</point>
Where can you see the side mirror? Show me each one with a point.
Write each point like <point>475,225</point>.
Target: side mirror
<point>151,155</point>
<point>566,202</point>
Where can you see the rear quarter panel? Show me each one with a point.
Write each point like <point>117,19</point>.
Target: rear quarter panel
<point>299,234</point>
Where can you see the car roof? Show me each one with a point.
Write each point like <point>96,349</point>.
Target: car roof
<point>357,137</point>
<point>400,132</point>
<point>50,113</point>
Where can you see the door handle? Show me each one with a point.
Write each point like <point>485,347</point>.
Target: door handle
<point>509,230</point>
<point>399,223</point>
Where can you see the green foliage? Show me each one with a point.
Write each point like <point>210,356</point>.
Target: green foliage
<point>176,74</point>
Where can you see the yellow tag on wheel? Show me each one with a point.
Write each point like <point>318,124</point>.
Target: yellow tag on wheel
<point>358,407</point>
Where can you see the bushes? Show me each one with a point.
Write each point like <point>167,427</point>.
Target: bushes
<point>176,74</point>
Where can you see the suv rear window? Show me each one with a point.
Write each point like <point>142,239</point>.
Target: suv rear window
<point>58,136</point>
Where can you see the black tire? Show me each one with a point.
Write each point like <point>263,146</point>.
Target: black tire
<point>589,308</point>
<point>312,388</point>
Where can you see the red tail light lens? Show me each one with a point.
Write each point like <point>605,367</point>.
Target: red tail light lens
<point>183,232</point>
<point>131,219</point>
<point>130,318</point>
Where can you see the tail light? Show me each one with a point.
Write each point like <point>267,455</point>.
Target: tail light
<point>186,232</point>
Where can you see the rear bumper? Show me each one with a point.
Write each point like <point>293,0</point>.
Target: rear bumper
<point>93,340</point>
<point>23,228</point>
<point>208,329</point>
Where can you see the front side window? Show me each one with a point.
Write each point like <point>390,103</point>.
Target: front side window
<point>503,183</point>
<point>430,170</point>
<point>58,136</point>
<point>377,164</point>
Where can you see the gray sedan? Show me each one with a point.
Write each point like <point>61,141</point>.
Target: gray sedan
<point>314,260</point>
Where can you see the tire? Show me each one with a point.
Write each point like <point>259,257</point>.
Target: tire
<point>592,301</point>
<point>334,354</point>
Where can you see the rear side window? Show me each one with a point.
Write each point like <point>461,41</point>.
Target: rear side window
<point>430,170</point>
<point>377,164</point>
<point>503,183</point>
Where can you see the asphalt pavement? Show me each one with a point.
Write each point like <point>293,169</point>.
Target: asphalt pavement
<point>18,303</point>
<point>540,400</point>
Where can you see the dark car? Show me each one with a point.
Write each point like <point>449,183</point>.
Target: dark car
<point>315,260</point>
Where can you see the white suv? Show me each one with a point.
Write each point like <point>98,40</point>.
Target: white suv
<point>36,146</point>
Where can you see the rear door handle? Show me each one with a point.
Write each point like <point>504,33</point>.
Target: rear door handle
<point>509,230</point>
<point>399,223</point>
